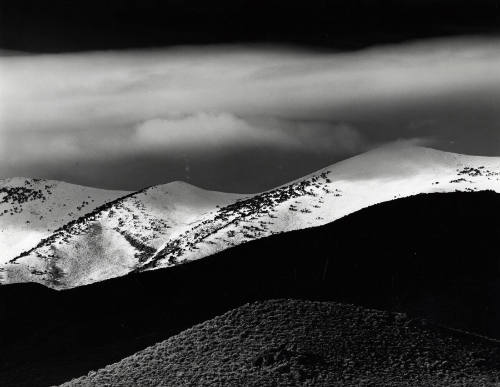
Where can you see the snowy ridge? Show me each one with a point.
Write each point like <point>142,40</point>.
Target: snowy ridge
<point>371,178</point>
<point>174,223</point>
<point>116,237</point>
<point>32,209</point>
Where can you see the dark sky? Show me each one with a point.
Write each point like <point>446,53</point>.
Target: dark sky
<point>69,25</point>
<point>239,95</point>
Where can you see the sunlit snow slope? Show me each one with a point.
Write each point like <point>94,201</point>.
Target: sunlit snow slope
<point>175,223</point>
<point>380,175</point>
<point>32,209</point>
<point>115,238</point>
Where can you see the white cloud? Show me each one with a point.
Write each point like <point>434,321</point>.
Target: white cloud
<point>215,130</point>
<point>205,130</point>
<point>177,135</point>
<point>116,88</point>
<point>112,104</point>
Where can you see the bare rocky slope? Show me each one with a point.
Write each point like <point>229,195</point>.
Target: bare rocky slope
<point>292,343</point>
<point>168,225</point>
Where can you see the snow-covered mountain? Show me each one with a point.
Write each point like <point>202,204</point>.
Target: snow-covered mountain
<point>377,176</point>
<point>115,238</point>
<point>175,223</point>
<point>32,209</point>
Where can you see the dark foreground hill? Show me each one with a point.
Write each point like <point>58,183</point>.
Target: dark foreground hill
<point>432,255</point>
<point>289,342</point>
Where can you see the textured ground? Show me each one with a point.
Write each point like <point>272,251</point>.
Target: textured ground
<point>289,342</point>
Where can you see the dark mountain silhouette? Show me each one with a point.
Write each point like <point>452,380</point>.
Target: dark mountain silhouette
<point>433,255</point>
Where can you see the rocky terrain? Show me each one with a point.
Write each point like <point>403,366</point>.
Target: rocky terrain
<point>289,342</point>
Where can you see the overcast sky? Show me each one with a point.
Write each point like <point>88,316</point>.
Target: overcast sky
<point>240,118</point>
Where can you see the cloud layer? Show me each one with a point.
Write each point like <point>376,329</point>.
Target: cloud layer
<point>197,103</point>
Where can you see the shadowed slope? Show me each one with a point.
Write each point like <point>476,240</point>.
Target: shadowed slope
<point>431,255</point>
<point>289,342</point>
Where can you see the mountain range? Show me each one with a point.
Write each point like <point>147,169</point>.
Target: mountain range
<point>64,236</point>
<point>402,229</point>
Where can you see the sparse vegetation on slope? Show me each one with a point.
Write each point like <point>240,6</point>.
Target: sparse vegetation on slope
<point>288,342</point>
<point>249,216</point>
<point>132,228</point>
<point>20,195</point>
<point>31,209</point>
<point>314,200</point>
<point>75,226</point>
